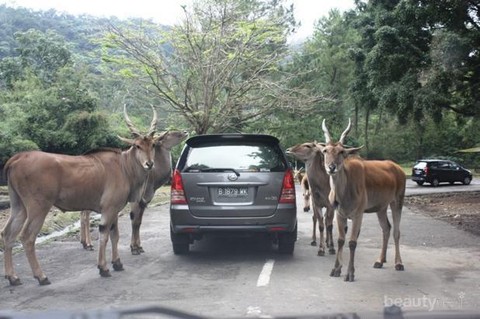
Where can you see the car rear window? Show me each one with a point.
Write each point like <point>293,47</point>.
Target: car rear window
<point>251,157</point>
<point>420,165</point>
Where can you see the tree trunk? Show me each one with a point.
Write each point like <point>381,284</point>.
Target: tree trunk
<point>367,118</point>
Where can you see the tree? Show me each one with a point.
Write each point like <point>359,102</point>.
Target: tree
<point>417,59</point>
<point>453,77</point>
<point>222,68</point>
<point>44,103</point>
<point>43,53</point>
<point>323,68</point>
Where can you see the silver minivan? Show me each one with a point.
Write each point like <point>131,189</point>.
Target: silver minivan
<point>231,184</point>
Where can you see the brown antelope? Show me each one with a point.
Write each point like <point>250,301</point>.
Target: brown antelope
<point>318,181</point>
<point>158,176</point>
<point>362,186</point>
<point>302,179</point>
<point>103,180</point>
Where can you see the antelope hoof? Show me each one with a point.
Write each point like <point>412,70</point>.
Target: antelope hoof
<point>117,265</point>
<point>332,251</point>
<point>399,267</point>
<point>336,272</point>
<point>86,246</point>
<point>377,265</point>
<point>43,282</point>
<point>104,272</point>
<point>313,243</point>
<point>14,281</point>
<point>350,278</point>
<point>321,253</point>
<point>136,250</point>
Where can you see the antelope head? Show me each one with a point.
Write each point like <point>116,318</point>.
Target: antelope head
<point>169,139</point>
<point>304,151</point>
<point>142,145</point>
<point>335,153</point>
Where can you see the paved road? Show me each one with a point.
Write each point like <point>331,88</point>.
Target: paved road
<point>414,189</point>
<point>245,277</point>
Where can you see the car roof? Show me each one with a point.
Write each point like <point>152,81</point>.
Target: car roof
<point>434,160</point>
<point>231,137</point>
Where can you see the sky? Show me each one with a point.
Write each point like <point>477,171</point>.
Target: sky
<point>169,12</point>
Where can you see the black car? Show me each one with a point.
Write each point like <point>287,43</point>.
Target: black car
<point>436,171</point>
<point>233,184</point>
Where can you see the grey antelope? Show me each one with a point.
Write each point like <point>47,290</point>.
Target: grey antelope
<point>362,186</point>
<point>158,176</point>
<point>302,179</point>
<point>102,180</point>
<point>318,182</point>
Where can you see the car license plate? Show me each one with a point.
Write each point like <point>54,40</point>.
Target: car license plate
<point>232,192</point>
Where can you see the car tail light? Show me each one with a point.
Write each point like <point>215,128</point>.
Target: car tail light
<point>426,170</point>
<point>288,188</point>
<point>177,193</point>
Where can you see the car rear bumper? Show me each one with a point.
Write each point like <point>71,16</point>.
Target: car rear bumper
<point>274,228</point>
<point>182,221</point>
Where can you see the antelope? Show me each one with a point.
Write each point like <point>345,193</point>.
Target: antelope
<point>103,180</point>
<point>362,186</point>
<point>302,179</point>
<point>158,176</point>
<point>318,181</point>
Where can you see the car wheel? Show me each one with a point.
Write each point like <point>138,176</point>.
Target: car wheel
<point>420,183</point>
<point>180,243</point>
<point>180,248</point>
<point>286,242</point>
<point>466,180</point>
<point>435,182</point>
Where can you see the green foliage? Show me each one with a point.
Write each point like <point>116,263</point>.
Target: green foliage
<point>44,100</point>
<point>406,72</point>
<point>43,54</point>
<point>323,71</point>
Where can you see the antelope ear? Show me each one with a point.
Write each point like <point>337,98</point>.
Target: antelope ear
<point>353,150</point>
<point>321,146</point>
<point>160,136</point>
<point>126,140</point>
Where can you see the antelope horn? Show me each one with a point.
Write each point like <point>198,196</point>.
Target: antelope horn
<point>130,125</point>
<point>153,125</point>
<point>328,138</point>
<point>344,134</point>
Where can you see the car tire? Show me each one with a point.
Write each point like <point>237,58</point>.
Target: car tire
<point>435,182</point>
<point>466,180</point>
<point>180,243</point>
<point>286,242</point>
<point>420,183</point>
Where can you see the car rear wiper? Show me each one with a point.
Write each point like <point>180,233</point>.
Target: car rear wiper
<point>220,170</point>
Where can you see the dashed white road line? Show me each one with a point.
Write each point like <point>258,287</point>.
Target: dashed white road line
<point>256,312</point>
<point>264,277</point>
